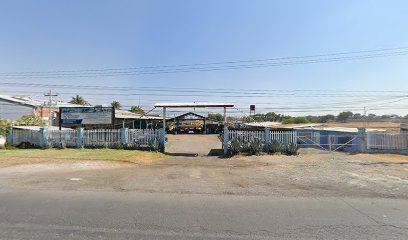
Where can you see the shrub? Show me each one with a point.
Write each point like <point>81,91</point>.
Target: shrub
<point>26,145</point>
<point>61,145</point>
<point>31,120</point>
<point>118,145</point>
<point>255,146</point>
<point>291,149</point>
<point>235,146</point>
<point>5,126</point>
<point>273,147</point>
<point>154,144</point>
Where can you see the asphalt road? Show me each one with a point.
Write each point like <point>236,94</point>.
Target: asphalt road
<point>131,215</point>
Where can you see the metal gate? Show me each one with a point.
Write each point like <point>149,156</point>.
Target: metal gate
<point>330,142</point>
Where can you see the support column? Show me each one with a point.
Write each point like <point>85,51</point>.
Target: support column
<point>225,116</point>
<point>362,140</point>
<point>225,133</point>
<point>267,135</point>
<point>163,133</point>
<point>80,137</point>
<point>10,137</point>
<point>225,143</point>
<point>43,138</point>
<point>124,135</point>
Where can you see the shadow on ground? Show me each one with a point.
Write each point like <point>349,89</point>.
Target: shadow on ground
<point>212,153</point>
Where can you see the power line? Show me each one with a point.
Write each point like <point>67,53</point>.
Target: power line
<point>233,65</point>
<point>181,89</point>
<point>287,93</point>
<point>214,63</point>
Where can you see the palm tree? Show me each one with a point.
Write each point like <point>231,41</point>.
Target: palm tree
<point>137,109</point>
<point>116,105</point>
<point>78,100</point>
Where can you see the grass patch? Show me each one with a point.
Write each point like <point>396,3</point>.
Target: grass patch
<point>26,156</point>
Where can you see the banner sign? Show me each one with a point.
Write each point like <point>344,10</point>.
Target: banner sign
<point>86,115</point>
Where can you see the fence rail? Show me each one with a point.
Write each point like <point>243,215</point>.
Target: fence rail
<point>26,135</point>
<point>102,138</point>
<point>66,138</point>
<point>246,136</point>
<point>140,137</point>
<point>285,137</point>
<point>387,141</point>
<point>110,138</point>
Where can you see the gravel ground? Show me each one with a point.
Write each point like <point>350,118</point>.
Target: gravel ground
<point>312,173</point>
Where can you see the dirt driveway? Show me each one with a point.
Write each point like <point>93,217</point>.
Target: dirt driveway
<point>193,144</point>
<point>312,173</point>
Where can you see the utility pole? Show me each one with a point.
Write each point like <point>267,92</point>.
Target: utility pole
<point>50,95</point>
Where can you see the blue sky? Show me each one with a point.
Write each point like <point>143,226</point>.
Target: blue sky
<point>74,35</point>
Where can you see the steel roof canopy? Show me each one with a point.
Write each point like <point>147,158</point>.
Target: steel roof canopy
<point>194,105</point>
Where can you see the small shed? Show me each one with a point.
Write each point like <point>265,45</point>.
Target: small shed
<point>136,121</point>
<point>187,122</point>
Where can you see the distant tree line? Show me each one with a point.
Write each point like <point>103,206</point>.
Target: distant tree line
<point>268,117</point>
<point>26,120</point>
<point>286,119</point>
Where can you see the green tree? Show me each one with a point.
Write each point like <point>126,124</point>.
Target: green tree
<point>216,116</point>
<point>273,117</point>
<point>343,116</point>
<point>357,116</point>
<point>116,105</point>
<point>294,120</point>
<point>137,110</point>
<point>5,125</point>
<point>31,120</point>
<point>326,118</point>
<point>78,100</point>
<point>371,116</point>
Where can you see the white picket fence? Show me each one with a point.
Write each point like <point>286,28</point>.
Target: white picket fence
<point>102,138</point>
<point>66,137</point>
<point>91,138</point>
<point>387,141</point>
<point>26,135</point>
<point>246,136</point>
<point>284,137</point>
<point>140,137</point>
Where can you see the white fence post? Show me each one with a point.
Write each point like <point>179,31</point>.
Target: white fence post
<point>124,135</point>
<point>10,137</point>
<point>267,135</point>
<point>43,137</point>
<point>163,139</point>
<point>225,145</point>
<point>80,137</point>
<point>362,140</point>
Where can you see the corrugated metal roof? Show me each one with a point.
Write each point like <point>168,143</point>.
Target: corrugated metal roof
<point>338,129</point>
<point>194,104</point>
<point>37,128</point>
<point>123,114</point>
<point>264,124</point>
<point>29,101</point>
<point>25,100</point>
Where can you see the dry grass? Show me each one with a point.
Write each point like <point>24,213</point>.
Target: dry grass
<point>29,156</point>
<point>378,125</point>
<point>387,158</point>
